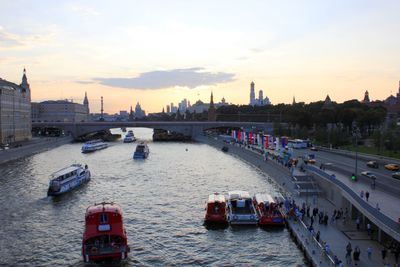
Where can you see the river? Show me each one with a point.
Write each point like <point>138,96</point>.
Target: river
<point>162,198</point>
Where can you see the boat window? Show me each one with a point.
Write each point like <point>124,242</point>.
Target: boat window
<point>103,218</point>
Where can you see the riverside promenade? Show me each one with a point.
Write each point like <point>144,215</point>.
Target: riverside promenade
<point>36,145</point>
<point>336,234</point>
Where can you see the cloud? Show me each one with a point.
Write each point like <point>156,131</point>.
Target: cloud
<point>191,78</point>
<point>9,40</point>
<point>84,10</point>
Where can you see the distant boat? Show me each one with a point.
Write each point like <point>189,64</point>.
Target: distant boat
<point>241,209</point>
<point>104,238</point>
<point>129,139</point>
<point>67,179</point>
<point>123,129</point>
<point>93,145</point>
<point>142,151</point>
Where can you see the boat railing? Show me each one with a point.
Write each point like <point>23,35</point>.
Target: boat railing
<point>105,249</point>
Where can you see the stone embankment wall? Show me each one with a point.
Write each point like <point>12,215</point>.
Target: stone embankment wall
<point>28,149</point>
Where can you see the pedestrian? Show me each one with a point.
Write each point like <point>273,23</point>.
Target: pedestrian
<point>369,229</point>
<point>356,255</point>
<point>369,252</point>
<point>358,223</point>
<point>317,236</point>
<point>366,195</point>
<point>348,253</point>
<point>383,253</point>
<point>312,220</point>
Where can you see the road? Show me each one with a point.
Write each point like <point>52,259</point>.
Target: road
<point>346,165</point>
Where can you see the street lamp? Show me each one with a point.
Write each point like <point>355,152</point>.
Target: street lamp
<point>356,133</point>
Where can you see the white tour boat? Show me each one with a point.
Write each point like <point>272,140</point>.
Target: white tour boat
<point>93,145</point>
<point>67,179</point>
<point>241,208</point>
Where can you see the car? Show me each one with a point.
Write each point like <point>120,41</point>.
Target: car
<point>392,167</point>
<point>368,174</point>
<point>396,175</point>
<point>310,161</point>
<point>314,148</point>
<point>373,164</point>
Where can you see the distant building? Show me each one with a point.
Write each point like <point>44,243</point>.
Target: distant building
<point>86,103</point>
<point>327,103</point>
<point>168,109</point>
<point>131,115</point>
<point>261,101</point>
<point>59,111</point>
<point>139,113</point>
<point>212,114</point>
<point>392,105</point>
<point>366,97</point>
<point>15,111</point>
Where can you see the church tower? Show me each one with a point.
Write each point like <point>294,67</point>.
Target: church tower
<point>25,84</point>
<point>86,103</point>
<point>212,116</point>
<point>366,97</point>
<point>252,94</point>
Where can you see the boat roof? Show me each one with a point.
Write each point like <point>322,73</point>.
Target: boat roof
<point>66,170</point>
<point>94,141</point>
<point>238,194</point>
<point>216,198</point>
<point>263,198</point>
<point>103,207</point>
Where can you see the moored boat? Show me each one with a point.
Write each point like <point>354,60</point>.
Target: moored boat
<point>142,151</point>
<point>241,209</point>
<point>93,145</point>
<point>216,210</point>
<point>104,238</point>
<point>67,179</point>
<point>268,211</point>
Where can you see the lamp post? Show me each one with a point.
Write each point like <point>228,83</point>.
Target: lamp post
<point>356,132</point>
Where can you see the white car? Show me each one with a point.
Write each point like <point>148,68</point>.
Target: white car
<point>369,174</point>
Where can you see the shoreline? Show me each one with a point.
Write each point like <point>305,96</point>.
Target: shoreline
<point>30,149</point>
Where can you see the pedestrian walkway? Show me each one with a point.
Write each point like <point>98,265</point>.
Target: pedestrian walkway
<point>388,203</point>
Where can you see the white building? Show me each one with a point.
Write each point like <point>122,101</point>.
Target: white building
<point>139,113</point>
<point>260,101</point>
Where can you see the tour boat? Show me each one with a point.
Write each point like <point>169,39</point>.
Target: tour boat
<point>216,210</point>
<point>67,179</point>
<point>268,211</point>
<point>93,145</point>
<point>104,238</point>
<point>130,132</point>
<point>142,151</point>
<point>241,209</point>
<point>129,139</point>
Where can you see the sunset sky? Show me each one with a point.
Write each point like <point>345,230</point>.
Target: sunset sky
<point>157,52</point>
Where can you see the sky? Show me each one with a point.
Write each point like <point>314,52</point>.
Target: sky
<point>158,52</point>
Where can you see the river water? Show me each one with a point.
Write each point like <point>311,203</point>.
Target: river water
<point>162,198</point>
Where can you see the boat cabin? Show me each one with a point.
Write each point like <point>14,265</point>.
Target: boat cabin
<point>105,236</point>
<point>240,202</point>
<point>69,172</point>
<point>216,208</point>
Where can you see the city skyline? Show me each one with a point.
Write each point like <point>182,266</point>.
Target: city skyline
<point>141,53</point>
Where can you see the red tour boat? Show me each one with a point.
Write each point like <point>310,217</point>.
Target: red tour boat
<point>216,210</point>
<point>105,236</point>
<point>268,211</point>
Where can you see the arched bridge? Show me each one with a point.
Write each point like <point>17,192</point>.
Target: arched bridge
<point>188,128</point>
